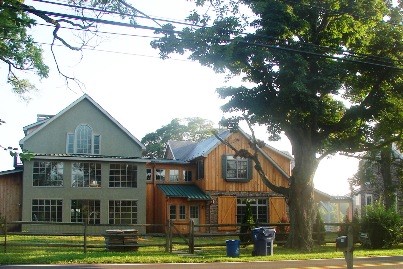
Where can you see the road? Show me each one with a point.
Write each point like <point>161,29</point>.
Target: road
<point>394,262</point>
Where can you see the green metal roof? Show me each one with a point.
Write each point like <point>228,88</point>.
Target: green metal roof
<point>191,192</point>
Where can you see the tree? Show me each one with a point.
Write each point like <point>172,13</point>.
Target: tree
<point>321,72</point>
<point>21,54</point>
<point>189,129</point>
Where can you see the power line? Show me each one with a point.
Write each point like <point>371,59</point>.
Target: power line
<point>344,52</point>
<point>96,20</point>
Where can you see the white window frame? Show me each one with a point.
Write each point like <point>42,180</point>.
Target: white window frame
<point>72,141</point>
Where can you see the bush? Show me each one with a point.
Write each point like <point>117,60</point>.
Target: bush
<point>382,226</point>
<point>355,222</point>
<point>248,223</point>
<point>319,230</point>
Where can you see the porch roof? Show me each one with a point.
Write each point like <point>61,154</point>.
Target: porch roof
<point>189,191</point>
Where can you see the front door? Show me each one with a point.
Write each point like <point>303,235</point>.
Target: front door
<point>194,215</point>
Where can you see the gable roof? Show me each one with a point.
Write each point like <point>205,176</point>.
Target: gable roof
<point>71,106</point>
<point>187,151</point>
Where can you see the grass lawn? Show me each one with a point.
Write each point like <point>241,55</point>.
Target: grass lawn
<point>96,253</point>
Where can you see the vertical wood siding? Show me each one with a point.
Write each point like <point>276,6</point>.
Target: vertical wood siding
<point>11,197</point>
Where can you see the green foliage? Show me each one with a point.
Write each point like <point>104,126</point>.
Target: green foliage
<point>321,73</point>
<point>384,227</point>
<point>355,223</point>
<point>248,223</point>
<point>18,49</point>
<point>188,129</point>
<point>319,230</point>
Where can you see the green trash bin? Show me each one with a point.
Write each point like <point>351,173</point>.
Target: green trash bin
<point>232,248</point>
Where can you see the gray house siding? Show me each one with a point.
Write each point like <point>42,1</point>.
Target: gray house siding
<point>52,138</point>
<point>48,142</point>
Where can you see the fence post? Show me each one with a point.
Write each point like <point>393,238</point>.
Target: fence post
<point>85,237</point>
<point>168,245</point>
<point>5,234</point>
<point>191,237</point>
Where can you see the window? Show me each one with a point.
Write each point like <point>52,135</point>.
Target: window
<point>86,175</point>
<point>83,141</point>
<point>259,209</point>
<point>47,174</point>
<point>47,210</point>
<point>82,210</point>
<point>172,212</point>
<point>173,175</point>
<point>122,175</point>
<point>200,169</point>
<point>160,174</point>
<point>149,174</point>
<point>236,169</point>
<point>182,212</point>
<point>187,176</point>
<point>194,212</point>
<point>123,212</point>
<point>368,199</point>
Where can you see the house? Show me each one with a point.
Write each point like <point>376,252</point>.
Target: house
<point>203,181</point>
<point>372,185</point>
<point>11,196</point>
<point>86,167</point>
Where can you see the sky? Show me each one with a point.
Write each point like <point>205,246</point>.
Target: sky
<point>124,75</point>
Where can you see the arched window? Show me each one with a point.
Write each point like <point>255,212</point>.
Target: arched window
<point>83,141</point>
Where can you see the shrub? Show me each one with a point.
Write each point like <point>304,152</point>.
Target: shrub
<point>355,222</point>
<point>248,223</point>
<point>382,226</point>
<point>319,230</point>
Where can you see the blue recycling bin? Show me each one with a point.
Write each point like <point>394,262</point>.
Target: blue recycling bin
<point>263,238</point>
<point>232,248</point>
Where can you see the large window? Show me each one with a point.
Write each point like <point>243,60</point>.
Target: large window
<point>122,175</point>
<point>47,210</point>
<point>259,209</point>
<point>83,141</point>
<point>200,169</point>
<point>187,175</point>
<point>172,212</point>
<point>86,175</point>
<point>160,174</point>
<point>173,175</point>
<point>86,210</point>
<point>47,174</point>
<point>182,212</point>
<point>236,169</point>
<point>123,212</point>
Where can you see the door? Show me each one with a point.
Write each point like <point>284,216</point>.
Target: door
<point>194,215</point>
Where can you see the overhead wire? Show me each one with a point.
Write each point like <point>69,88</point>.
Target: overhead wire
<point>343,52</point>
<point>97,20</point>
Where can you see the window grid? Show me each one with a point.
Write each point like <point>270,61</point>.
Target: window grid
<point>123,212</point>
<point>174,175</point>
<point>122,175</point>
<point>86,209</point>
<point>47,210</point>
<point>84,139</point>
<point>182,212</point>
<point>149,174</point>
<point>259,209</point>
<point>172,212</point>
<point>160,174</point>
<point>237,168</point>
<point>187,176</point>
<point>194,212</point>
<point>86,175</point>
<point>47,174</point>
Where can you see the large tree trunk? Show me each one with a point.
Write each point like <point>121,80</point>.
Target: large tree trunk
<point>388,188</point>
<point>300,201</point>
